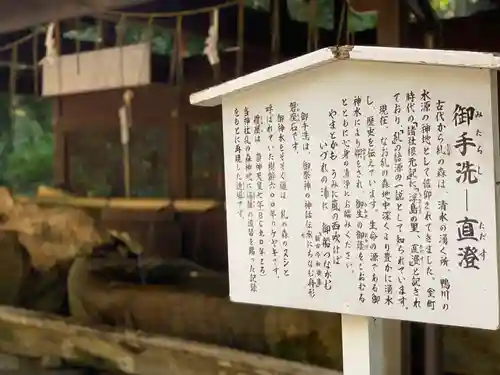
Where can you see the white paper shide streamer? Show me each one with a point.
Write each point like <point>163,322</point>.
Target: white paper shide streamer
<point>125,116</point>
<point>51,52</point>
<point>212,40</point>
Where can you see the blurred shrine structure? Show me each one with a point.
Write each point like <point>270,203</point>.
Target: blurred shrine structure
<point>161,52</point>
<point>119,74</point>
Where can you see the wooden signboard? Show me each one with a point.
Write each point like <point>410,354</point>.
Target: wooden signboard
<point>362,181</point>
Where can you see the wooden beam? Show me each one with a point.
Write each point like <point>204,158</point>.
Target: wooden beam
<point>131,352</point>
<point>17,15</point>
<point>26,51</point>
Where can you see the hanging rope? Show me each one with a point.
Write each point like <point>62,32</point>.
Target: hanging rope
<point>176,62</point>
<point>124,15</point>
<point>183,13</point>
<point>51,40</point>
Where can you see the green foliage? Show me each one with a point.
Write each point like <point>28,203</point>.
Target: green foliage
<point>206,159</point>
<point>356,21</point>
<point>441,4</point>
<point>264,5</point>
<point>30,164</point>
<point>443,7</point>
<point>26,143</point>
<point>461,8</point>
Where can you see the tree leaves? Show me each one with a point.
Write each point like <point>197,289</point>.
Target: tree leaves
<point>26,144</point>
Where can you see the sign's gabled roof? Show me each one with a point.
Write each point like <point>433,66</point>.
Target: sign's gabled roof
<point>213,95</point>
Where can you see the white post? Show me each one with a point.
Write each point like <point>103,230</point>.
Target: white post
<point>371,346</point>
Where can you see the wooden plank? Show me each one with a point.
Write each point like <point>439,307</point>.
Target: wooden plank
<point>32,334</point>
<point>104,69</point>
<point>49,196</point>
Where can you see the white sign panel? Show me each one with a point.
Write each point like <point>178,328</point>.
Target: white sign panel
<point>367,189</point>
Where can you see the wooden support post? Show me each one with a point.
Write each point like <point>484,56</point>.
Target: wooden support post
<point>429,40</point>
<point>60,159</point>
<point>108,35</point>
<point>312,30</point>
<point>340,9</point>
<point>240,53</point>
<point>14,66</point>
<point>405,332</point>
<point>36,70</point>
<point>371,346</point>
<point>179,75</point>
<point>275,31</point>
<point>177,153</point>
<point>392,27</point>
<point>433,349</point>
<point>425,356</point>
